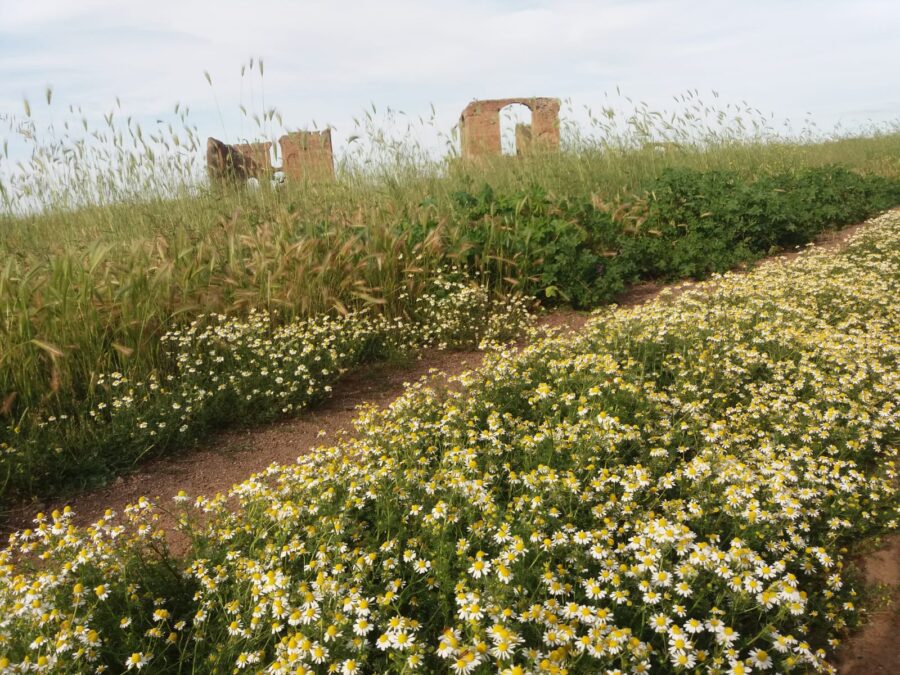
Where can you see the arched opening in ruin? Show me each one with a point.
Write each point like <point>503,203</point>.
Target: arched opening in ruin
<point>481,123</point>
<point>515,129</point>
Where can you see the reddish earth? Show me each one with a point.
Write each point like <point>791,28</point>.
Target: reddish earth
<point>875,650</point>
<point>231,457</point>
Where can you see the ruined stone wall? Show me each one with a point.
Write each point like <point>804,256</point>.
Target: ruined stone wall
<point>524,139</point>
<point>479,126</point>
<point>230,163</point>
<point>261,155</point>
<point>306,155</point>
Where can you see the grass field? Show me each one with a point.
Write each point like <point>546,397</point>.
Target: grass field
<point>683,485</point>
<point>109,249</point>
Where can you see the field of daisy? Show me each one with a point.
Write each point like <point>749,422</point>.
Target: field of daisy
<point>682,485</point>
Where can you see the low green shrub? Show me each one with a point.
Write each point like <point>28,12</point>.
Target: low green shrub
<point>698,223</point>
<point>688,225</point>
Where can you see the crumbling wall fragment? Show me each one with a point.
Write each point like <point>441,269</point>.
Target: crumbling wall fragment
<point>479,125</point>
<point>236,163</point>
<point>524,139</point>
<point>260,154</point>
<point>307,155</point>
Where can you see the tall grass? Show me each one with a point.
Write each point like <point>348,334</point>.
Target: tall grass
<point>109,236</point>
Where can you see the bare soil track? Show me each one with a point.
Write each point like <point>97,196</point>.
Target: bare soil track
<point>230,457</point>
<point>875,650</point>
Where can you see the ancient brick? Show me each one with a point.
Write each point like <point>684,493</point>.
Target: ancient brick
<point>479,126</point>
<point>260,154</point>
<point>307,155</point>
<point>523,139</point>
<point>229,163</point>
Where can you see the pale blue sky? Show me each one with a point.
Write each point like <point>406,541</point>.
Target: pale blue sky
<point>326,61</point>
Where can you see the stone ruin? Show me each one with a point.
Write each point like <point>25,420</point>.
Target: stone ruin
<point>227,163</point>
<point>479,127</point>
<point>308,155</point>
<point>305,155</point>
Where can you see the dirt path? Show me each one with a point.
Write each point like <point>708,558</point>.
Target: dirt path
<point>231,457</point>
<point>875,649</point>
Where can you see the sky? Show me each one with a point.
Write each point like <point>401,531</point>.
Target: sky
<point>834,62</point>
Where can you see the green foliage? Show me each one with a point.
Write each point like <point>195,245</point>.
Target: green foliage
<point>688,224</point>
<point>553,250</point>
<point>778,210</point>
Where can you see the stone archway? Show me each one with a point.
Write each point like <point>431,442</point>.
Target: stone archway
<point>479,126</point>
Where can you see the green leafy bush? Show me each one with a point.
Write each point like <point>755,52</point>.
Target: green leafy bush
<point>689,224</point>
<point>703,222</point>
<point>552,247</point>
